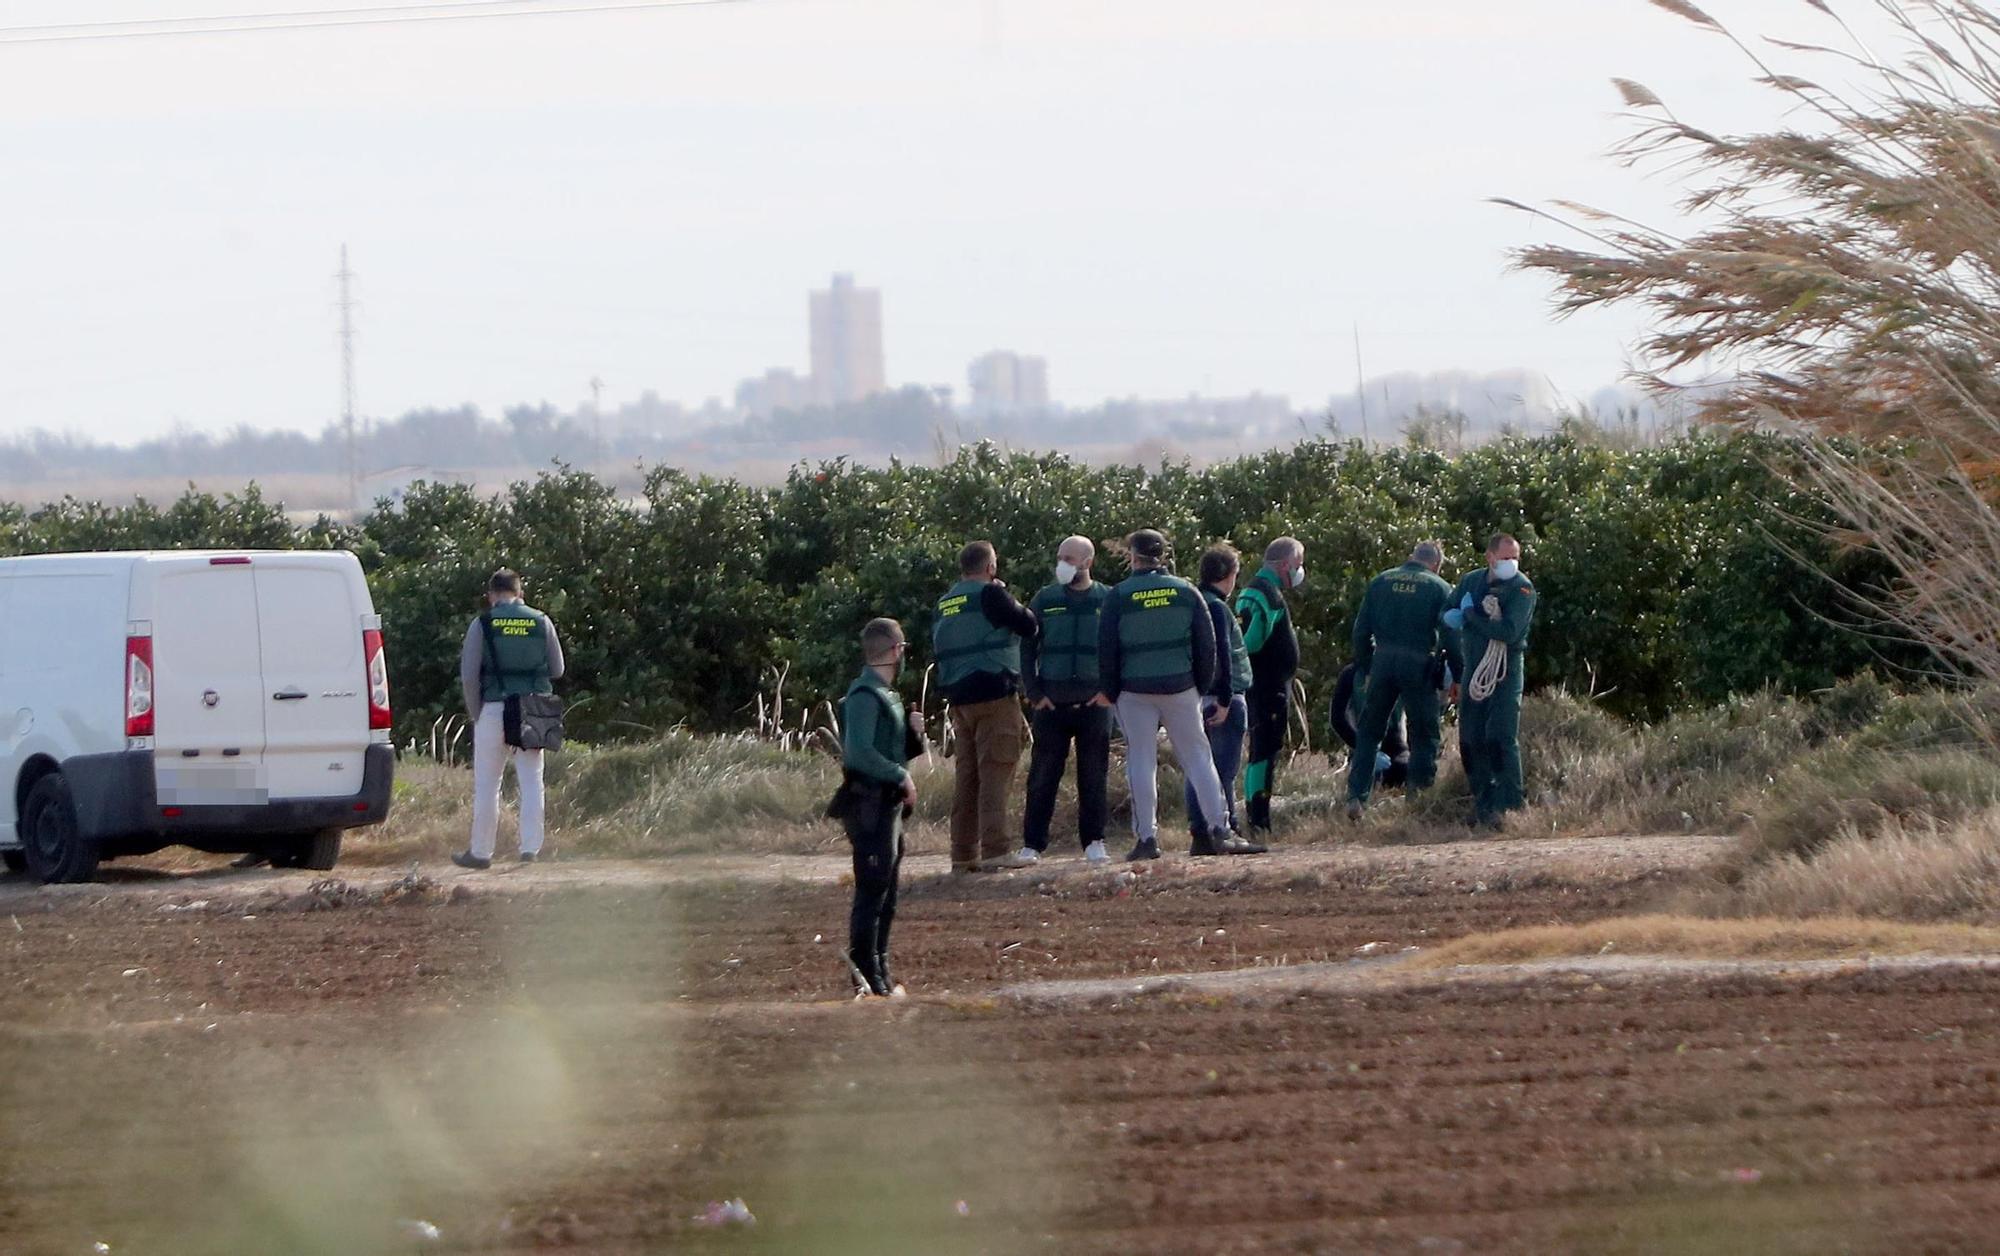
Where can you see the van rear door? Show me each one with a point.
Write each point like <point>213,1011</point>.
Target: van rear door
<point>309,613</point>
<point>208,684</point>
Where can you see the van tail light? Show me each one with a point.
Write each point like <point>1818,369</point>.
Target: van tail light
<point>138,686</point>
<point>379,714</point>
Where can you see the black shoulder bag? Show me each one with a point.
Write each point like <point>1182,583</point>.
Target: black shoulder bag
<point>532,721</point>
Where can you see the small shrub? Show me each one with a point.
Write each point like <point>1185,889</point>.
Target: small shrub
<point>1860,792</point>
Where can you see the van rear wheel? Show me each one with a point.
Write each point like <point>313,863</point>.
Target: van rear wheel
<point>56,852</point>
<point>317,851</point>
<point>322,850</point>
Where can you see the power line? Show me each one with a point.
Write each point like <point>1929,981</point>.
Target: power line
<point>321,19</point>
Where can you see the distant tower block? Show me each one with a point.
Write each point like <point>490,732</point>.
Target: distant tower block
<point>1006,383</point>
<point>846,343</point>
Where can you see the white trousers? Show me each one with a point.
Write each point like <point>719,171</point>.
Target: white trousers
<point>490,756</point>
<point>1142,715</point>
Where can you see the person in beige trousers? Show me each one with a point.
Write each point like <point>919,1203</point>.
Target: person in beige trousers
<point>976,643</point>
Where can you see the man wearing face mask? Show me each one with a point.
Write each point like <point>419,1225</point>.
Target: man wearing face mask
<point>1066,704</point>
<point>1489,617</point>
<point>1266,621</point>
<point>975,641</point>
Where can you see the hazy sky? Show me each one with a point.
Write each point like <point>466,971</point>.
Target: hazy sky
<point>1160,196</point>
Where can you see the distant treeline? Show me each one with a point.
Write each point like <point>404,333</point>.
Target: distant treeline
<point>1667,573</point>
<point>908,422</point>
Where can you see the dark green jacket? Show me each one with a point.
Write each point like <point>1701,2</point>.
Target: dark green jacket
<point>1154,636</point>
<point>874,733</point>
<point>1399,618</point>
<point>1060,663</point>
<point>1517,612</point>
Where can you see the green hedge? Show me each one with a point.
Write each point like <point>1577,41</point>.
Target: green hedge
<point>1667,574</point>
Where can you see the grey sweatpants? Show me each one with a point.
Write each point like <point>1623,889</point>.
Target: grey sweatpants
<point>1142,715</point>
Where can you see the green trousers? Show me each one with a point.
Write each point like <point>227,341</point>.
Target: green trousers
<point>1489,740</point>
<point>1415,686</point>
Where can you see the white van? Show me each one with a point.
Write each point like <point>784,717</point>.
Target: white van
<point>225,701</point>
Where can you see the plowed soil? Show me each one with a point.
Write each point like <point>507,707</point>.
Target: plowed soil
<point>244,1065</point>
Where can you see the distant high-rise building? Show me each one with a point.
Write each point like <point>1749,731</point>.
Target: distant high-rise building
<point>1008,383</point>
<point>776,389</point>
<point>846,343</point>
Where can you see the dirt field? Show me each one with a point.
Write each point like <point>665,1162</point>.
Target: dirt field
<point>580,1057</point>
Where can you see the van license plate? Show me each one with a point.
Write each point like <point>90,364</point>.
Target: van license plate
<point>209,787</point>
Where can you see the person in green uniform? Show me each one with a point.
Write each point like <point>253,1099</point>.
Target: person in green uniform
<point>1067,706</point>
<point>1396,642</point>
<point>1489,617</point>
<point>1266,622</point>
<point>976,643</point>
<point>876,794</point>
<point>1156,657</point>
<point>510,648</point>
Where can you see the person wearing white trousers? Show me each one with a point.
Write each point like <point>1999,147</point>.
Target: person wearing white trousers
<point>511,649</point>
<point>1142,715</point>
<point>490,756</point>
<point>1156,656</point>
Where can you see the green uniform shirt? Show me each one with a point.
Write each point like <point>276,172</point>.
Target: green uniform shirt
<point>1399,617</point>
<point>1517,611</point>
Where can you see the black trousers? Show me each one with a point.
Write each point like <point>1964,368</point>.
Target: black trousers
<point>875,829</point>
<point>1089,727</point>
<point>1270,711</point>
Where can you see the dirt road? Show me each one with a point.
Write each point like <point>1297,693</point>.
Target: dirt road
<point>579,1058</point>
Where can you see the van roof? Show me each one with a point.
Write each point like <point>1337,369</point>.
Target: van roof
<point>127,558</point>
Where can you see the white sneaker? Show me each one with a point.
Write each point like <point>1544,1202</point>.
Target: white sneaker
<point>1026,857</point>
<point>1096,854</point>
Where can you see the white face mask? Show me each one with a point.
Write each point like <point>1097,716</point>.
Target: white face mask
<point>1506,569</point>
<point>1065,571</point>
<point>1298,576</point>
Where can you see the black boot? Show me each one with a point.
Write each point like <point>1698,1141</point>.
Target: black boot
<point>1204,843</point>
<point>889,986</point>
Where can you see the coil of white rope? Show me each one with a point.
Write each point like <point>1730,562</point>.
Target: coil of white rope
<point>1491,671</point>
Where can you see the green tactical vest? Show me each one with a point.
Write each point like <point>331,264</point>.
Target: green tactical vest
<point>1068,650</point>
<point>518,662</point>
<point>1155,618</point>
<point>890,735</point>
<point>1240,675</point>
<point>964,641</point>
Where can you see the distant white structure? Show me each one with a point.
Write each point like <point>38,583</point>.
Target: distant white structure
<point>846,342</point>
<point>1007,383</point>
<point>776,389</point>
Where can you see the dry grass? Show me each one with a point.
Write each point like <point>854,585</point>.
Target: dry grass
<point>1923,870</point>
<point>1791,772</point>
<point>1697,938</point>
